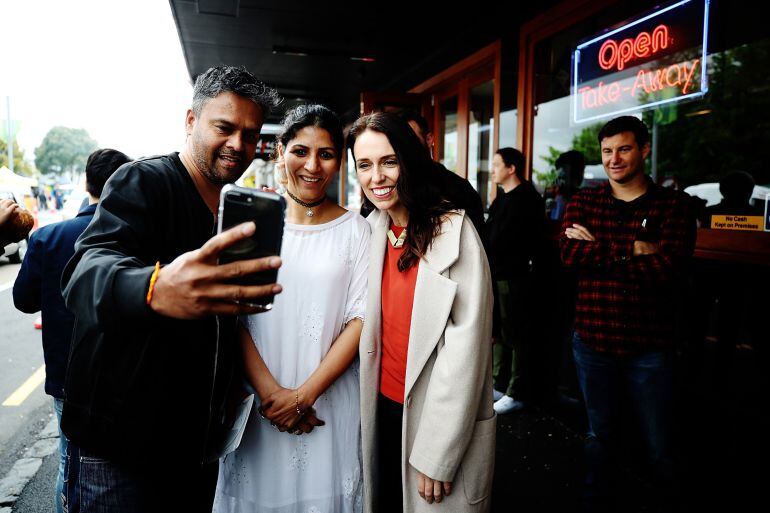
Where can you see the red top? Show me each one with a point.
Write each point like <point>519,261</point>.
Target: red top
<point>397,300</point>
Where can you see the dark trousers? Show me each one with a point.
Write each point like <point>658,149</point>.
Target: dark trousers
<point>513,301</point>
<point>644,382</point>
<point>160,486</point>
<point>389,488</point>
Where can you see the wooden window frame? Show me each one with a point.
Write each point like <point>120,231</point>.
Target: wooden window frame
<point>458,80</point>
<point>549,23</point>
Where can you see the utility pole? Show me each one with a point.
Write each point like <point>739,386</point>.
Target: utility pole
<point>9,141</point>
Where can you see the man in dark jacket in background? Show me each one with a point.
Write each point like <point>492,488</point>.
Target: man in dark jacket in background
<point>155,348</point>
<point>458,190</point>
<point>514,233</point>
<point>38,288</point>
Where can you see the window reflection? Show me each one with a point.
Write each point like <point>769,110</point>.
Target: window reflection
<point>480,138</point>
<point>449,122</point>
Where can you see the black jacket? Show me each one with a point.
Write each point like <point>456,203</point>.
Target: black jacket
<point>140,385</point>
<point>461,194</point>
<point>38,288</point>
<point>515,231</point>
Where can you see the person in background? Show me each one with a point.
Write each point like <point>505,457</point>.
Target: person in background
<point>570,168</point>
<point>455,188</point>
<point>58,198</point>
<point>628,241</point>
<point>38,288</point>
<point>515,230</point>
<point>736,188</point>
<point>42,200</point>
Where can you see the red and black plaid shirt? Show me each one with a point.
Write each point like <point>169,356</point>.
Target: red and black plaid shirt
<point>625,302</point>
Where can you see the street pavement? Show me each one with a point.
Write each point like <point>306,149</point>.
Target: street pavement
<point>25,409</point>
<point>21,357</point>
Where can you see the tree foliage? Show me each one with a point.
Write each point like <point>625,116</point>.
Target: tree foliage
<point>20,166</point>
<point>729,129</point>
<point>585,142</point>
<point>64,150</point>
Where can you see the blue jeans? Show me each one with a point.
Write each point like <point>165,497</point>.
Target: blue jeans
<point>159,486</point>
<point>645,382</point>
<point>66,478</point>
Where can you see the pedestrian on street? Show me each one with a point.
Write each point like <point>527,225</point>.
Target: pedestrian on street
<point>38,289</point>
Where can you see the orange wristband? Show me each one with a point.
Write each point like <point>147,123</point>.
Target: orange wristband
<point>153,279</point>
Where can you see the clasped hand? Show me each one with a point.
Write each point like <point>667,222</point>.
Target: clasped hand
<point>280,408</point>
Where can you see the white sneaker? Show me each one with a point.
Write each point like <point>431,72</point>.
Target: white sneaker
<point>507,404</point>
<point>497,395</point>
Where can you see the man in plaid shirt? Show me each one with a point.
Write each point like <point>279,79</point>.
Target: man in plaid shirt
<point>627,241</point>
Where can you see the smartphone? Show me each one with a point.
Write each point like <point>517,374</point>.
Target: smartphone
<point>238,205</point>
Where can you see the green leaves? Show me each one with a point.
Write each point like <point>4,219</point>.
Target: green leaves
<point>64,150</point>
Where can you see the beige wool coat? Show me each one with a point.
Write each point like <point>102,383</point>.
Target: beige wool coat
<point>449,424</point>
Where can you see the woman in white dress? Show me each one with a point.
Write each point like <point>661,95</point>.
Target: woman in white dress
<point>300,452</point>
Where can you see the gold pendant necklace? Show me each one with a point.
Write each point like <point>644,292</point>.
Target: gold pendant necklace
<point>397,242</point>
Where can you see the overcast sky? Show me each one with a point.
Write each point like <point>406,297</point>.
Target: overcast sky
<point>114,68</point>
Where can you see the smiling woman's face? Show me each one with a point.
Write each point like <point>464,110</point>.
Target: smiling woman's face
<point>377,169</point>
<point>311,162</point>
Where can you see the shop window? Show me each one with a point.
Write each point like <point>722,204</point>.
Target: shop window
<point>695,144</point>
<point>480,130</point>
<point>449,133</point>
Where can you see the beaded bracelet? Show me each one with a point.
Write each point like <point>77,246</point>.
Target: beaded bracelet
<point>299,412</point>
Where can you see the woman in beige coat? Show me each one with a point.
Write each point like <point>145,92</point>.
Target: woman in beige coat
<point>427,423</point>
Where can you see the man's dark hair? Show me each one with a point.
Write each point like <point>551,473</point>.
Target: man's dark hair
<point>572,158</point>
<point>626,124</point>
<point>570,167</point>
<point>303,116</point>
<point>100,166</point>
<point>412,115</point>
<point>515,158</point>
<point>235,79</point>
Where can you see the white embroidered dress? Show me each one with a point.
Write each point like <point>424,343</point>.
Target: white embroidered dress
<point>324,287</point>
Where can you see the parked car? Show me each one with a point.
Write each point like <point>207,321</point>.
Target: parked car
<point>710,193</point>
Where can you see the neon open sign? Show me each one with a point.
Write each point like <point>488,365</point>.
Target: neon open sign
<point>656,59</point>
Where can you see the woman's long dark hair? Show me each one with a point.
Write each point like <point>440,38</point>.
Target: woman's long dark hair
<point>417,183</point>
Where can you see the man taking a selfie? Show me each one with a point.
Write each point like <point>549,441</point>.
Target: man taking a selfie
<point>154,346</point>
